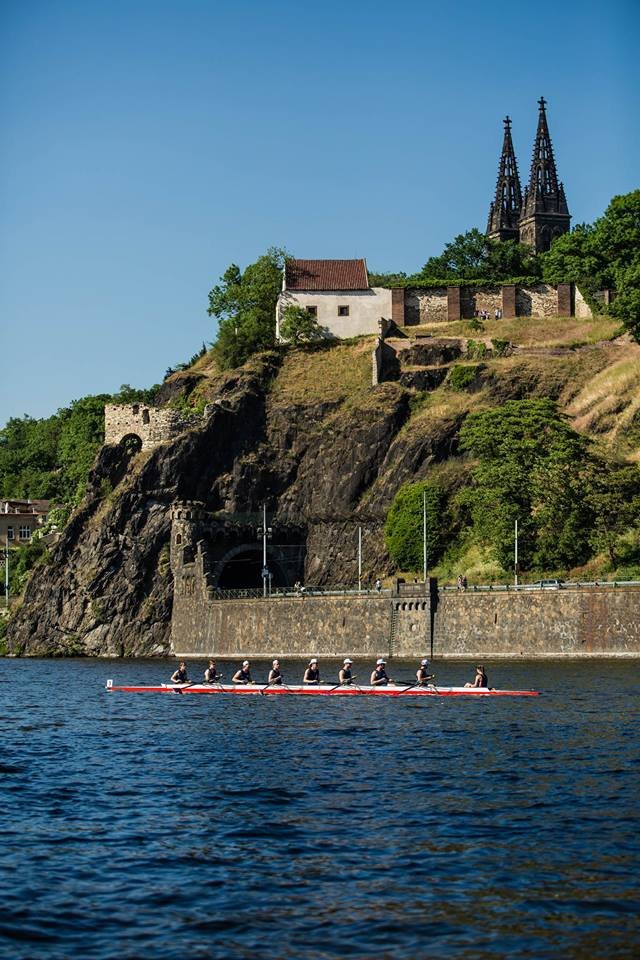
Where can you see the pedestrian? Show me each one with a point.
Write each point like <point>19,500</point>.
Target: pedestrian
<point>378,585</point>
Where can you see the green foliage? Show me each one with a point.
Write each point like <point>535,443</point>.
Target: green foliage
<point>299,326</point>
<point>603,255</point>
<point>51,458</point>
<point>500,347</point>
<point>4,623</point>
<point>476,349</point>
<point>613,496</point>
<point>529,469</point>
<point>22,560</point>
<point>245,304</point>
<point>462,376</point>
<point>473,255</point>
<point>404,525</point>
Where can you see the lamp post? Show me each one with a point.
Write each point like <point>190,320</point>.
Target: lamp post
<point>424,536</point>
<point>6,572</point>
<point>359,559</point>
<point>515,557</point>
<point>265,532</point>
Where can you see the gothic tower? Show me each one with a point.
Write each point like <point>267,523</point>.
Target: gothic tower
<point>545,214</point>
<point>504,212</point>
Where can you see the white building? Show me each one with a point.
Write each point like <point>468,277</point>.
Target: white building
<point>337,294</point>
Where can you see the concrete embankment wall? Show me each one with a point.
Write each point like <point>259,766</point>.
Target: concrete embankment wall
<point>589,622</point>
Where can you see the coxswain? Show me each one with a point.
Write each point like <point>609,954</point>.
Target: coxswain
<point>480,679</point>
<point>211,675</point>
<point>379,676</point>
<point>180,675</point>
<point>344,676</point>
<point>312,673</point>
<point>422,673</point>
<point>243,675</point>
<point>275,675</point>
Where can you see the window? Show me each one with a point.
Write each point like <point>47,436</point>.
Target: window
<point>10,533</point>
<point>25,533</point>
<point>343,311</point>
<point>312,311</point>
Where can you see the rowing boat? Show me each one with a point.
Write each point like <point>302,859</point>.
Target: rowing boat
<point>322,690</point>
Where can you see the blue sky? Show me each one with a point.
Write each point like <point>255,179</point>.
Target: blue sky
<point>144,146</point>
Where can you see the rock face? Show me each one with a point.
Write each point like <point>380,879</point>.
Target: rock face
<point>323,449</point>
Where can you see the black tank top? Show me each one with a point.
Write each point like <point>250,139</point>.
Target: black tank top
<point>381,673</point>
<point>346,673</point>
<point>245,676</point>
<point>422,673</point>
<point>312,674</point>
<point>181,675</point>
<point>275,675</point>
<point>483,681</point>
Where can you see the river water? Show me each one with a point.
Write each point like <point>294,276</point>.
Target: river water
<point>278,827</point>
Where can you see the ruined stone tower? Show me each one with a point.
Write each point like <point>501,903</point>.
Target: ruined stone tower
<point>187,520</point>
<point>505,209</point>
<point>545,214</point>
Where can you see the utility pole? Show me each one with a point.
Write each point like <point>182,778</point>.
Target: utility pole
<point>424,536</point>
<point>359,559</point>
<point>515,564</point>
<point>6,573</point>
<point>265,532</point>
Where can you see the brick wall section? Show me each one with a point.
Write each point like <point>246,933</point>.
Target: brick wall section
<point>509,301</point>
<point>397,306</point>
<point>153,425</point>
<point>454,310</point>
<point>566,300</point>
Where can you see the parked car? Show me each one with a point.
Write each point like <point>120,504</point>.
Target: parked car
<point>548,584</point>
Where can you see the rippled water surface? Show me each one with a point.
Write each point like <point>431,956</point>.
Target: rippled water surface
<point>276,827</point>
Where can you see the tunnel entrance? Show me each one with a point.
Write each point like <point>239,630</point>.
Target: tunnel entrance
<point>243,571</point>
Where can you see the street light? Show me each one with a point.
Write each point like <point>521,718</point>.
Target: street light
<point>266,533</point>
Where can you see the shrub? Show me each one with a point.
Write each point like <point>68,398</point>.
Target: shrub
<point>462,376</point>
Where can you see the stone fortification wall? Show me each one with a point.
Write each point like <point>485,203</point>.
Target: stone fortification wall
<point>151,425</point>
<point>539,300</point>
<point>590,622</point>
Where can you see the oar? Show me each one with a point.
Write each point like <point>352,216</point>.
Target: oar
<point>343,683</point>
<point>418,683</point>
<point>270,682</point>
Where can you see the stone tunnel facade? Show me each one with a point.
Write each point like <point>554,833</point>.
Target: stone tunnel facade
<point>150,425</point>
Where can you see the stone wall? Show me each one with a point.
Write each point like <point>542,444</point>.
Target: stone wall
<point>151,425</point>
<point>540,300</point>
<point>586,622</point>
<point>425,306</point>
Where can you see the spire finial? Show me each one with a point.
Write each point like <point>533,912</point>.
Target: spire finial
<point>507,121</point>
<point>542,103</point>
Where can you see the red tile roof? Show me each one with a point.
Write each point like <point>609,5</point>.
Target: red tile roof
<point>326,275</point>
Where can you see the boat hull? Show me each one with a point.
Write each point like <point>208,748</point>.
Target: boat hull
<point>321,690</point>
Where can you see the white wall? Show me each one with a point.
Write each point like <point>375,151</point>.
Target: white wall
<point>366,307</point>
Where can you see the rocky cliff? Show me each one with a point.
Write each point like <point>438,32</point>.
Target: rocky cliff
<point>304,432</point>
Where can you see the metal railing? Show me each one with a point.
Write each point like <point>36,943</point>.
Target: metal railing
<point>255,593</point>
<point>528,587</point>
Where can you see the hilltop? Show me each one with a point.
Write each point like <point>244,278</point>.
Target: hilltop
<point>305,431</point>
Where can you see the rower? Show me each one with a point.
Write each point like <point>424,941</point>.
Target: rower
<point>312,673</point>
<point>275,676</point>
<point>211,675</point>
<point>344,676</point>
<point>422,673</point>
<point>480,679</point>
<point>243,675</point>
<point>379,676</point>
<point>180,675</point>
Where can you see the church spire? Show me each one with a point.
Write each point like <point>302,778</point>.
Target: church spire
<point>505,209</point>
<point>545,214</point>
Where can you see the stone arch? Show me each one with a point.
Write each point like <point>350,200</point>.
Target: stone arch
<point>241,568</point>
<point>132,443</point>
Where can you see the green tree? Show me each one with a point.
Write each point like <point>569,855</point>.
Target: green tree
<point>605,254</point>
<point>473,256</point>
<point>245,305</point>
<point>528,469</point>
<point>404,525</point>
<point>299,326</point>
<point>613,495</point>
